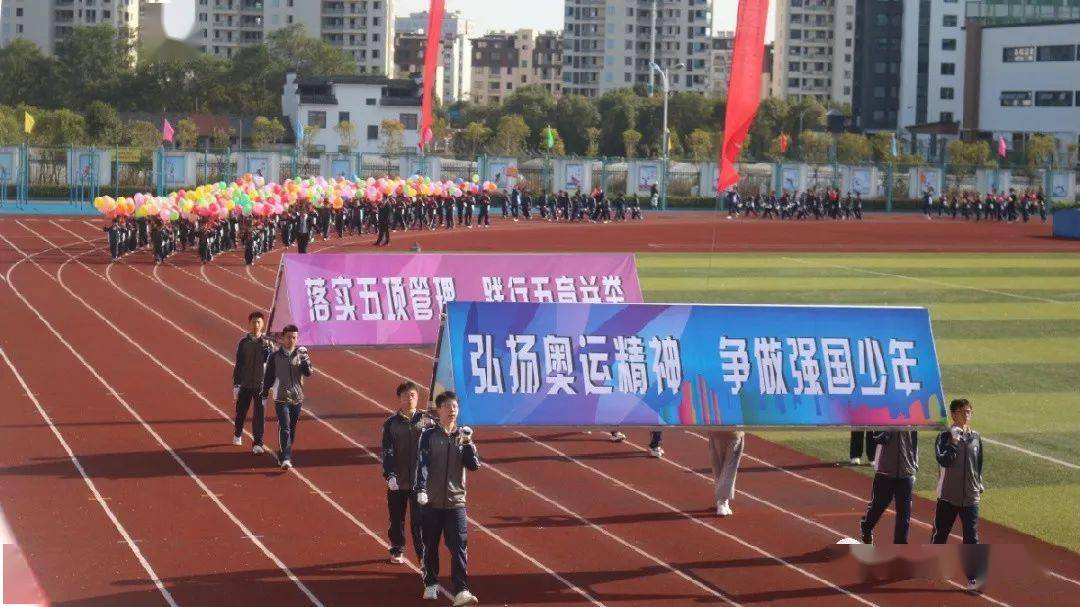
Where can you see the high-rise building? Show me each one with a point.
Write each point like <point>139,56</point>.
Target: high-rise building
<point>607,44</point>
<point>44,22</point>
<point>875,93</point>
<point>364,29</point>
<point>502,62</point>
<point>723,47</point>
<point>814,50</point>
<point>411,41</point>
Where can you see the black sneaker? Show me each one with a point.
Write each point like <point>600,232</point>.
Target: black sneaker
<point>867,536</point>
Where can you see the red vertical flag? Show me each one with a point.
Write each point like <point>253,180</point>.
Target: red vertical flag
<point>744,87</point>
<point>167,132</point>
<point>1003,149</point>
<point>784,142</point>
<point>432,57</point>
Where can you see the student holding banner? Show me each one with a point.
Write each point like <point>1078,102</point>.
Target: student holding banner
<point>725,453</point>
<point>400,441</point>
<point>895,465</point>
<point>248,371</point>
<point>445,452</point>
<point>959,452</point>
<point>286,371</point>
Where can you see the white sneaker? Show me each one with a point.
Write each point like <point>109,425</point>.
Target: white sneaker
<point>431,593</point>
<point>397,559</point>
<point>465,598</point>
<point>656,452</point>
<point>856,461</point>
<point>237,440</point>
<point>723,509</point>
<point>617,437</point>
<point>258,449</point>
<point>285,465</point>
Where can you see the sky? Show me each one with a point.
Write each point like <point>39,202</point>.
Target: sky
<point>488,15</point>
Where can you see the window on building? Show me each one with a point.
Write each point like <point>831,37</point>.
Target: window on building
<point>948,69</point>
<point>1054,98</point>
<point>946,117</point>
<point>1018,54</point>
<point>316,118</point>
<point>947,92</point>
<point>342,117</point>
<point>409,120</point>
<point>1015,98</point>
<point>372,132</point>
<point>1057,52</point>
<point>948,44</point>
<point>948,20</point>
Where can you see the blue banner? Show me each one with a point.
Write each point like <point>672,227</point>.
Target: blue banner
<point>689,365</point>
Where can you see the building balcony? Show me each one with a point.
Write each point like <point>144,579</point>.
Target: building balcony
<point>318,100</point>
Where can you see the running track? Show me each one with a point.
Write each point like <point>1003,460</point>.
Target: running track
<point>121,487</point>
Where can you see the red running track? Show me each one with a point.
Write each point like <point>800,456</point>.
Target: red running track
<point>126,364</point>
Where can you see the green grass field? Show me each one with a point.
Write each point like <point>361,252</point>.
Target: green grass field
<point>1007,328</point>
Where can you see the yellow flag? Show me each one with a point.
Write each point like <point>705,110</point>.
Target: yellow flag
<point>28,123</point>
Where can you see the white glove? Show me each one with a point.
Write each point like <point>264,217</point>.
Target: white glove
<point>421,498</point>
<point>235,393</point>
<point>392,483</point>
<point>466,434</point>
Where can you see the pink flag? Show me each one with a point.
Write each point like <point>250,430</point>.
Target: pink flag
<point>432,55</point>
<point>1002,148</point>
<point>167,132</point>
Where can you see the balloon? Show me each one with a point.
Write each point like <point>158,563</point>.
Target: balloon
<point>475,178</point>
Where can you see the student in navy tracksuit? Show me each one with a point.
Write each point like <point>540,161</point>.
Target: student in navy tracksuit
<point>446,452</point>
<point>400,444</point>
<point>895,464</point>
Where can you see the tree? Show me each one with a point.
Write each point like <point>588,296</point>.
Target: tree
<point>511,135</point>
<point>392,137</point>
<point>619,109</point>
<point>1040,150</point>
<point>221,138</point>
<point>701,145</point>
<point>292,49</point>
<point>575,116</point>
<point>814,147</point>
<point>347,132</point>
<point>311,134</point>
<point>592,136</point>
<point>11,128</point>
<point>853,148</point>
<point>103,126</point>
<point>29,76</point>
<point>187,134</point>
<point>143,135</point>
<point>92,63</point>
<point>966,157</point>
<point>881,147</point>
<point>536,106</point>
<point>473,139</point>
<point>266,132</point>
<point>630,138</point>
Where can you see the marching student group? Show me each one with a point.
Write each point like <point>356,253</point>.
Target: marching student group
<point>210,236</point>
<point>426,453</point>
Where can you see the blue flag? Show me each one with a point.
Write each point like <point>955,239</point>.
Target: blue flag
<point>299,132</point>
<point>892,146</point>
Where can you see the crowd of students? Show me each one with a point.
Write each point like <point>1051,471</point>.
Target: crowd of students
<point>211,236</point>
<point>993,206</point>
<point>810,204</point>
<point>426,455</point>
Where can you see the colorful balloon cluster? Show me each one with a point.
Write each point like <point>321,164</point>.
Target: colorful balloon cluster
<point>252,196</point>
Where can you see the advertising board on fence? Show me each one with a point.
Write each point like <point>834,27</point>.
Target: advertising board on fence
<point>376,299</point>
<point>689,365</point>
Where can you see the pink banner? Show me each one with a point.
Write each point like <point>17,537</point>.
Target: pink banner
<point>744,86</point>
<point>394,299</point>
